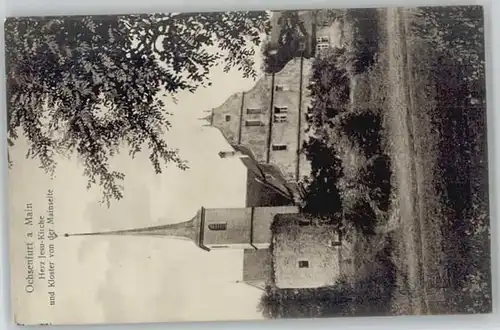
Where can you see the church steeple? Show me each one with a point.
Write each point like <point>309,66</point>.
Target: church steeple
<point>209,117</point>
<point>188,230</point>
<point>215,228</point>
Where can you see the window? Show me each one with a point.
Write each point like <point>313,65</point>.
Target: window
<point>253,122</point>
<point>254,111</point>
<point>333,242</point>
<point>322,39</point>
<point>280,109</point>
<point>228,117</point>
<point>303,264</point>
<point>322,46</point>
<point>277,147</point>
<point>280,118</point>
<point>217,226</point>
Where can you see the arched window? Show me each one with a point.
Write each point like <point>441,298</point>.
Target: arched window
<point>217,226</point>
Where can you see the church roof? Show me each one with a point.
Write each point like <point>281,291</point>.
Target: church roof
<point>265,179</point>
<point>244,150</point>
<point>277,178</point>
<point>261,192</point>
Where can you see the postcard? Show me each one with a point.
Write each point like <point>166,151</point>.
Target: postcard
<point>248,165</point>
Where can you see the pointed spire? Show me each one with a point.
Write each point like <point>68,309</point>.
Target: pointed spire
<point>208,117</point>
<point>188,230</point>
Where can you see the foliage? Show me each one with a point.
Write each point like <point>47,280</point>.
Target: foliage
<point>376,175</point>
<point>322,196</point>
<point>305,303</point>
<point>456,35</point>
<point>327,187</point>
<point>329,88</point>
<point>293,30</point>
<point>364,129</point>
<point>362,216</point>
<point>291,42</point>
<point>91,85</point>
<point>463,171</point>
<point>364,45</point>
<point>328,16</point>
<point>457,31</point>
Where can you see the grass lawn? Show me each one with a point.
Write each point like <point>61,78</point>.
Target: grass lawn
<point>401,81</point>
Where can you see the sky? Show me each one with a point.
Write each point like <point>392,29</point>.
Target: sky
<point>105,279</point>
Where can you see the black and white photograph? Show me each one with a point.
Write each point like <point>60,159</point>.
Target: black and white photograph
<point>248,165</point>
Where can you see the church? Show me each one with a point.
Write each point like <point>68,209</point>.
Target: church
<point>280,246</point>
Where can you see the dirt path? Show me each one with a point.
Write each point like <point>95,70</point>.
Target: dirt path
<point>407,177</point>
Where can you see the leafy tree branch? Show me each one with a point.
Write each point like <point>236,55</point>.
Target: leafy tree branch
<point>92,85</point>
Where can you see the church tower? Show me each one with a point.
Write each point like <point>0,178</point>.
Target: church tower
<point>216,228</point>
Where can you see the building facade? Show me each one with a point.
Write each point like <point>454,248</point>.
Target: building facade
<point>270,119</point>
<point>305,255</point>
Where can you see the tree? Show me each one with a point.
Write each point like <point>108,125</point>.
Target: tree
<point>292,30</point>
<point>329,87</point>
<point>364,44</point>
<point>329,90</point>
<point>322,196</point>
<point>90,85</point>
<point>290,44</point>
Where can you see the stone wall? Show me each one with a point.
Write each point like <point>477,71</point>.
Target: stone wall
<point>305,256</point>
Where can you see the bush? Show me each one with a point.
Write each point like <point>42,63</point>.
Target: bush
<point>322,197</point>
<point>364,129</point>
<point>373,293</point>
<point>377,177</point>
<point>362,217</point>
